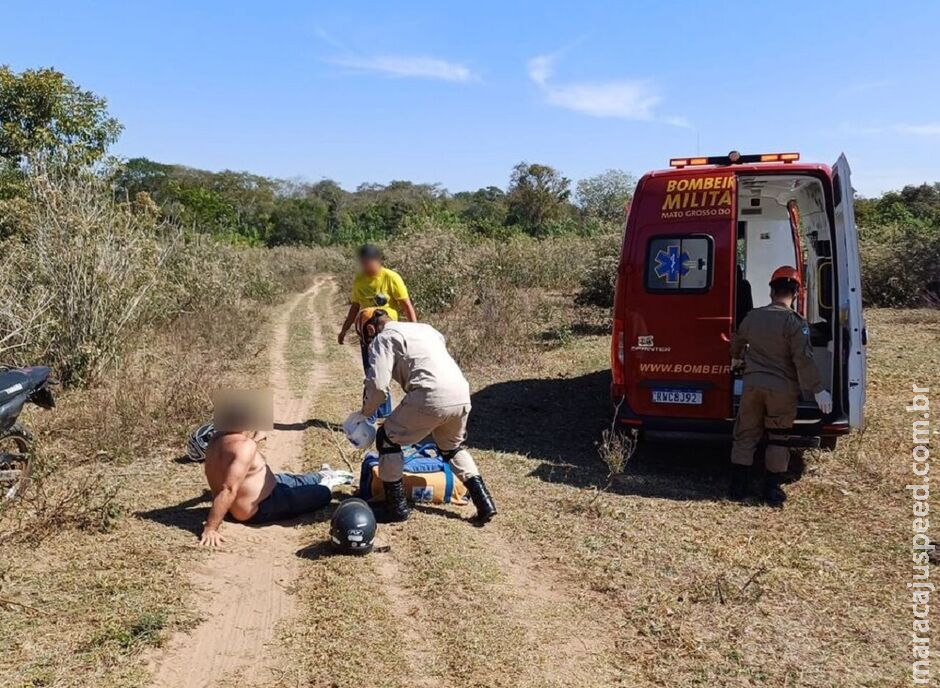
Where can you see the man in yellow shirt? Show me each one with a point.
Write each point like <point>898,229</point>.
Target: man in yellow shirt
<point>377,286</point>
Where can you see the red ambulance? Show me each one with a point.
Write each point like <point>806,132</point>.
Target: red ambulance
<point>702,239</point>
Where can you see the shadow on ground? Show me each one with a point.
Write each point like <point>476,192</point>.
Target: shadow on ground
<point>191,520</point>
<point>559,423</point>
<point>307,424</point>
<point>182,515</point>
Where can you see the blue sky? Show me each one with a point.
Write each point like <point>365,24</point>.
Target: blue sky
<point>459,93</point>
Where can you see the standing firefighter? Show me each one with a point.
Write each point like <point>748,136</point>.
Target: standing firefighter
<point>436,403</point>
<point>778,363</point>
<point>376,286</point>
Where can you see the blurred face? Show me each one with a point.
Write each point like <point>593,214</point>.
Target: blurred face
<point>242,410</point>
<point>370,266</point>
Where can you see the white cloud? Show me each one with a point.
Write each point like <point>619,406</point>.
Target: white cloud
<point>924,129</point>
<point>403,66</point>
<point>621,98</point>
<point>928,129</point>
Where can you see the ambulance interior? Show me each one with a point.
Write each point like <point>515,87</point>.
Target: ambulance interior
<point>782,220</point>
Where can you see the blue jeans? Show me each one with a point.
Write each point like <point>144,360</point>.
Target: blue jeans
<point>293,495</point>
<point>386,408</point>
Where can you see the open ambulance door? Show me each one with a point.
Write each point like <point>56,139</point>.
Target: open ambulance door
<point>851,319</point>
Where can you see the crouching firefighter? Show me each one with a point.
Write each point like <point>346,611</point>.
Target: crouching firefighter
<point>436,403</point>
<point>778,363</point>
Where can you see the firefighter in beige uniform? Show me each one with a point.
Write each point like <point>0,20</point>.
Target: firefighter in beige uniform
<point>436,403</point>
<point>778,356</point>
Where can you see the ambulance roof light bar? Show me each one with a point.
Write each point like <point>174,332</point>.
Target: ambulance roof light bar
<point>734,158</point>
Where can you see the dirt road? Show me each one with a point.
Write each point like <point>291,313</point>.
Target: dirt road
<point>439,603</point>
<point>245,585</point>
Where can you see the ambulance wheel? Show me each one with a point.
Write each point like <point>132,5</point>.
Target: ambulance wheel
<point>828,443</point>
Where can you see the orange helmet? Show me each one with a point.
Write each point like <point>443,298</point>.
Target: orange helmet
<point>785,272</point>
<point>365,316</point>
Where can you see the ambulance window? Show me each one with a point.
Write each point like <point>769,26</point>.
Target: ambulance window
<point>679,263</point>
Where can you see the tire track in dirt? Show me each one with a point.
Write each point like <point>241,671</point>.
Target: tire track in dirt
<point>422,653</point>
<point>561,619</point>
<point>423,656</point>
<point>245,586</point>
<point>542,629</point>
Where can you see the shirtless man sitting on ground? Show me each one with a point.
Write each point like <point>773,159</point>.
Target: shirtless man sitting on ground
<point>245,487</point>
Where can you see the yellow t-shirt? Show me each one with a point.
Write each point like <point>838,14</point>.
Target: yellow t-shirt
<point>386,290</point>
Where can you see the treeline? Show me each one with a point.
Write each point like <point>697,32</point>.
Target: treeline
<point>899,238</point>
<point>88,273</point>
<point>49,123</point>
<point>248,208</point>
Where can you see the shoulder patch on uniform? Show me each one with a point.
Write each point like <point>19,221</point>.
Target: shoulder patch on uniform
<point>806,330</point>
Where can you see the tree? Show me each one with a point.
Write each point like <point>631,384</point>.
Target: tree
<point>537,197</point>
<point>300,221</point>
<point>484,210</point>
<point>41,111</point>
<point>605,196</point>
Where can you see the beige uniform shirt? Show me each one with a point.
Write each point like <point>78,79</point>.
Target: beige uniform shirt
<point>416,357</point>
<point>779,351</point>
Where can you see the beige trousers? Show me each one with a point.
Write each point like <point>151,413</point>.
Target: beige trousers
<point>447,426</point>
<point>763,409</point>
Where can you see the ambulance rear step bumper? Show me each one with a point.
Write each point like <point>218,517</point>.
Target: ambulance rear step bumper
<point>711,438</point>
<point>804,432</point>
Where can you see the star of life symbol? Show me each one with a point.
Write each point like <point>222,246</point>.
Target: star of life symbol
<point>671,264</point>
<point>422,494</point>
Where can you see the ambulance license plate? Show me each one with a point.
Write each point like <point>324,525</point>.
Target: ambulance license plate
<point>677,396</point>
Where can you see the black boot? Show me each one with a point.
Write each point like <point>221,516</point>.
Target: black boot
<point>773,493</point>
<point>737,487</point>
<point>396,506</point>
<point>482,499</point>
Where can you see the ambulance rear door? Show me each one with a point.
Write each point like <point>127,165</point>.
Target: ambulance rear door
<point>677,304</point>
<point>849,285</point>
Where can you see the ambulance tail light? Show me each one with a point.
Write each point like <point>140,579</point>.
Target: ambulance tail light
<point>618,349</point>
<point>617,352</point>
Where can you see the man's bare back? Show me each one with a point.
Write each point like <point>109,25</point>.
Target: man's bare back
<point>238,477</point>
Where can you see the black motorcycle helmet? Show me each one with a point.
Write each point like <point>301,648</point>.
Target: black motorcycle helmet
<point>352,528</point>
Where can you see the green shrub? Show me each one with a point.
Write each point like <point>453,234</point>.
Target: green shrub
<point>901,265</point>
<point>434,264</point>
<point>86,275</point>
<point>599,280</point>
<point>490,297</point>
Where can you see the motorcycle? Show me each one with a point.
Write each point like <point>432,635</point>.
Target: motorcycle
<point>18,387</point>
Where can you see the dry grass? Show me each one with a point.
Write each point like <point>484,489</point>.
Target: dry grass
<point>700,591</point>
<point>344,603</point>
<point>655,581</point>
<point>439,603</point>
<point>497,302</point>
<point>94,561</point>
<point>90,548</point>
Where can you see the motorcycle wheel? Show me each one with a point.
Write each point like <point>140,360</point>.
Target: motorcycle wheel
<point>15,445</point>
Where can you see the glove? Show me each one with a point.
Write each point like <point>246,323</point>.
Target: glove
<point>824,402</point>
<point>331,478</point>
<point>737,364</point>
